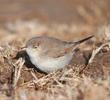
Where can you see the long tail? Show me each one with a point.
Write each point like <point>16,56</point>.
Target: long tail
<point>81,41</point>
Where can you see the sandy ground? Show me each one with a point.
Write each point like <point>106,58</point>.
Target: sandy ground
<point>87,77</point>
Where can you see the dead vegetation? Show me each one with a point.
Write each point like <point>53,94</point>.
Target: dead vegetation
<point>87,77</point>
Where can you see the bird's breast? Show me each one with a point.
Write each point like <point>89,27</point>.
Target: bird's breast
<point>49,64</point>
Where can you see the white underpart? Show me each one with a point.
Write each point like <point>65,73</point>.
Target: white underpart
<point>49,64</point>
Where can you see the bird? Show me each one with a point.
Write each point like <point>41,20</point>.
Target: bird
<point>49,54</point>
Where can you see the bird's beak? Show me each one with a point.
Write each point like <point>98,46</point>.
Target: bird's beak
<point>23,48</point>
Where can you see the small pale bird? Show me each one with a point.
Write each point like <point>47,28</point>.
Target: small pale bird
<point>50,54</point>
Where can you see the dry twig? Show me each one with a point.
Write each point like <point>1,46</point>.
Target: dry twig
<point>18,66</point>
<point>96,51</point>
<point>34,75</point>
<point>41,80</point>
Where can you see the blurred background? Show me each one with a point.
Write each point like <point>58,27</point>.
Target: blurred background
<point>53,17</point>
<point>69,20</point>
<point>63,11</point>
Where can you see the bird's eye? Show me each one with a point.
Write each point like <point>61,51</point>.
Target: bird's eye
<point>35,47</point>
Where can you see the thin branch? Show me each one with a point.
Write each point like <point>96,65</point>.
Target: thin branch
<point>96,51</point>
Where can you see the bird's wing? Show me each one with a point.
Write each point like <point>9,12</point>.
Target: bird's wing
<point>59,51</point>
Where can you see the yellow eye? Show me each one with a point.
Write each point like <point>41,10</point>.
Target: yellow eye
<point>35,47</point>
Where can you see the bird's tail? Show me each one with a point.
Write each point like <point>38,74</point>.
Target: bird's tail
<point>83,40</point>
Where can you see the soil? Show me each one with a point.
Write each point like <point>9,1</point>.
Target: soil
<point>66,20</point>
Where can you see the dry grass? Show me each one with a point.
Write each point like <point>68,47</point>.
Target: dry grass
<point>75,82</point>
<point>87,77</point>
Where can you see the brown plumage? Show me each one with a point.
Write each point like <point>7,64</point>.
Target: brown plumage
<point>54,47</point>
<point>50,54</point>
